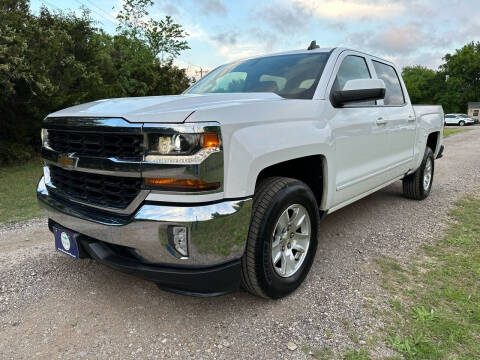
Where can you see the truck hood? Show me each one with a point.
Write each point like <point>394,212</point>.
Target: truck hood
<point>161,109</point>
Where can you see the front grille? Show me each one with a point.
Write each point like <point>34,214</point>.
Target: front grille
<point>94,189</point>
<point>121,146</point>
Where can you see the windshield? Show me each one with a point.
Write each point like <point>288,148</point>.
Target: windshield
<point>290,76</point>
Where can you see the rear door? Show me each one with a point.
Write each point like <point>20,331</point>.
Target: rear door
<point>359,134</point>
<point>399,118</point>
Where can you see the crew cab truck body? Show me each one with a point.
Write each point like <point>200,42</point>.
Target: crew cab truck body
<point>226,184</point>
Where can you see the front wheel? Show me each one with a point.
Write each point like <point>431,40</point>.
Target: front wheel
<point>461,123</point>
<point>417,186</point>
<point>282,239</point>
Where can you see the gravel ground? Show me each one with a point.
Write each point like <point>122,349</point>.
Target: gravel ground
<point>53,306</point>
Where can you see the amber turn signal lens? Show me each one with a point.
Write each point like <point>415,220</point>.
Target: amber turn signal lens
<point>211,140</point>
<point>180,184</point>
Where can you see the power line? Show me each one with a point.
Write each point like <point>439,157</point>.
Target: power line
<point>103,11</point>
<point>51,5</point>
<point>95,12</point>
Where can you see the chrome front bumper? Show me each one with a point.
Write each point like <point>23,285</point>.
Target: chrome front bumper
<point>217,231</point>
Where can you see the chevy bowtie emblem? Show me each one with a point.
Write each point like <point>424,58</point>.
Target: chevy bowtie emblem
<point>67,161</point>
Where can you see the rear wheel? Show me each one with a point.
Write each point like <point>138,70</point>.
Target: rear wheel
<point>417,186</point>
<point>282,239</point>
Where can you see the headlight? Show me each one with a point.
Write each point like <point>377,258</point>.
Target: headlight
<point>177,144</point>
<point>181,147</point>
<point>183,158</point>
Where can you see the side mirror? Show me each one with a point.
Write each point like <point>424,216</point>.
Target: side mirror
<point>359,90</point>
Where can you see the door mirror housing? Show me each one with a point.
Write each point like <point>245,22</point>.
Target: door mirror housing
<point>359,90</point>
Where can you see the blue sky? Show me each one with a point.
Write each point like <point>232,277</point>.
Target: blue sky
<point>408,32</point>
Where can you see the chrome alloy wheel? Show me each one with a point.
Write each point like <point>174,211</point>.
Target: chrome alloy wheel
<point>427,174</point>
<point>291,238</point>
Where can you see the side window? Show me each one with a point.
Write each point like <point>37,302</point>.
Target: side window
<point>394,93</point>
<point>352,67</point>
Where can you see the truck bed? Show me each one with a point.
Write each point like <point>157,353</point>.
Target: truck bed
<point>428,110</point>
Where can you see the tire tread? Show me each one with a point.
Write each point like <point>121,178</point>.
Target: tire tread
<point>413,183</point>
<point>264,194</point>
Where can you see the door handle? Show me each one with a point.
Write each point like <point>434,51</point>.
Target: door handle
<point>381,121</point>
<point>411,118</point>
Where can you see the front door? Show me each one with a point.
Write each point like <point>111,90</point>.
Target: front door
<point>360,136</point>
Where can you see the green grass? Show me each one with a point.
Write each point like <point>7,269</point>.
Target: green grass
<point>435,307</point>
<point>356,355</point>
<point>328,354</point>
<point>447,132</point>
<point>318,354</point>
<point>17,191</point>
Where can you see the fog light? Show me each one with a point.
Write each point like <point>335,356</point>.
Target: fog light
<point>178,239</point>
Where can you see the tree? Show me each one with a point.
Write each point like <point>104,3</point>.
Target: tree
<point>163,37</point>
<point>55,60</point>
<point>421,84</point>
<point>456,83</point>
<point>462,74</point>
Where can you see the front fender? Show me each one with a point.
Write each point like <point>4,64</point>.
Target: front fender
<point>253,152</point>
<point>258,135</point>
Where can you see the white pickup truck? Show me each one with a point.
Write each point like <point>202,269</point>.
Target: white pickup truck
<point>226,184</point>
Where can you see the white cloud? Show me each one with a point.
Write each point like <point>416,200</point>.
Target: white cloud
<point>405,31</point>
<point>213,7</point>
<point>430,59</point>
<point>235,45</point>
<point>395,39</point>
<point>240,50</point>
<point>351,9</point>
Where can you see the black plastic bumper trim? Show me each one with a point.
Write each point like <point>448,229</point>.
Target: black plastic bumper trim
<point>211,281</point>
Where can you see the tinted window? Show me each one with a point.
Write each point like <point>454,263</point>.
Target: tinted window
<point>290,76</point>
<point>394,93</point>
<point>353,67</point>
<point>231,82</point>
<point>449,116</point>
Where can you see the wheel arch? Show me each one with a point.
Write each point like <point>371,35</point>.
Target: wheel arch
<point>311,169</point>
<point>433,141</point>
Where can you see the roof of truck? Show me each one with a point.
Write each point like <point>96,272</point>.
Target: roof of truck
<point>304,51</point>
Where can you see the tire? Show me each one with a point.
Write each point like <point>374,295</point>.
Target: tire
<point>414,184</point>
<point>461,123</point>
<point>278,197</point>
